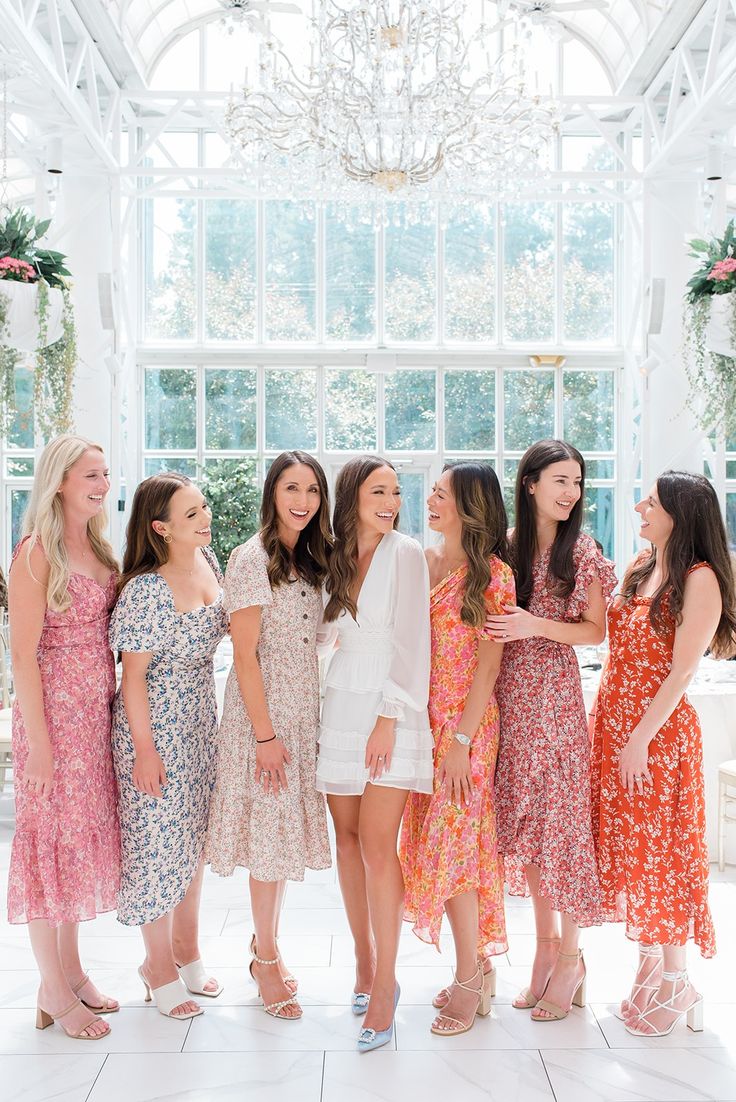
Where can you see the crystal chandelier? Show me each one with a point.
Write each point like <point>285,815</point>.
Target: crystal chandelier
<point>417,98</point>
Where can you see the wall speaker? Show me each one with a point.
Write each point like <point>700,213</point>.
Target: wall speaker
<point>106,300</point>
<point>656,306</point>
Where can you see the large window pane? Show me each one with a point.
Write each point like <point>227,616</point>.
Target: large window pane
<point>413,503</point>
<point>291,409</point>
<point>290,271</point>
<point>154,464</point>
<point>18,504</point>
<point>529,271</point>
<point>588,271</point>
<point>171,408</point>
<point>230,408</point>
<point>350,281</point>
<point>599,517</point>
<point>410,410</point>
<point>410,281</point>
<point>169,235</point>
<point>470,410</point>
<point>230,269</point>
<point>350,411</point>
<point>529,408</point>
<point>588,410</point>
<point>731,520</point>
<point>470,276</point>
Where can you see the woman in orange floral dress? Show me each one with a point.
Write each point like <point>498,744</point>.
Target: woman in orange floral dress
<point>448,842</point>
<point>648,803</point>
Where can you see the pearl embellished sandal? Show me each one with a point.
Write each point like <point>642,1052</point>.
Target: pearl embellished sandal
<point>274,1009</point>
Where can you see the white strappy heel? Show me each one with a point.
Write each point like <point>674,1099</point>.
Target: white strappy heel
<point>654,952</point>
<point>694,1011</point>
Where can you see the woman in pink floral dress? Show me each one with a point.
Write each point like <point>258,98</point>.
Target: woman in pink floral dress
<point>448,842</point>
<point>65,861</point>
<point>543,776</point>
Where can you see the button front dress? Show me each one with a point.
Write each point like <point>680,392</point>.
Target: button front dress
<point>381,668</point>
<point>276,837</point>
<point>163,839</point>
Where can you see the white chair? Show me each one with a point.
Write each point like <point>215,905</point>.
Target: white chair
<point>5,745</point>
<point>726,805</point>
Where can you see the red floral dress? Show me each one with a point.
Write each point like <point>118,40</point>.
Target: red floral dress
<point>446,850</point>
<point>651,848</point>
<point>65,860</point>
<point>543,772</point>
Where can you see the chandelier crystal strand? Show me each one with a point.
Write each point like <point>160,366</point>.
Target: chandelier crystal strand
<point>414,99</point>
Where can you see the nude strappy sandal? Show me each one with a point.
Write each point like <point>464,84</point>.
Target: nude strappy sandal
<point>44,1020</point>
<point>457,1025</point>
<point>557,1013</point>
<point>76,988</point>
<point>526,999</point>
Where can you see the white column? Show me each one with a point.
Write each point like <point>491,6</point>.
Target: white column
<point>671,436</point>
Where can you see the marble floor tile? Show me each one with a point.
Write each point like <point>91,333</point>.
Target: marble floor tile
<point>211,1077</point>
<point>56,1078</point>
<point>674,1075</point>
<point>296,921</point>
<point>250,1029</point>
<point>467,1076</point>
<point>131,1030</point>
<point>504,1027</point>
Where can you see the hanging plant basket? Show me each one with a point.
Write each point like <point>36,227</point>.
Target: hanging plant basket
<point>719,330</point>
<point>22,328</point>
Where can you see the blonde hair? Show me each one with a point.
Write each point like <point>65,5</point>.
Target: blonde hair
<point>44,518</point>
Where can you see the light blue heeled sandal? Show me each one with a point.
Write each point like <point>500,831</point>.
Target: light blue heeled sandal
<point>375,1038</point>
<point>360,1002</point>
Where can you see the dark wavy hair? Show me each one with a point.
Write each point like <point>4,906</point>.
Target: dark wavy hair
<point>523,543</point>
<point>344,559</point>
<point>479,504</point>
<point>311,554</point>
<point>698,535</point>
<point>145,549</point>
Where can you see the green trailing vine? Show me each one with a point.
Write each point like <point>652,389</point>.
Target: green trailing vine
<point>54,365</point>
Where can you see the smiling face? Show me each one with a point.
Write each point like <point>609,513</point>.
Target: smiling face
<point>188,522</point>
<point>379,501</point>
<point>656,523</point>
<point>86,485</point>
<point>443,514</point>
<point>297,498</point>
<point>555,494</point>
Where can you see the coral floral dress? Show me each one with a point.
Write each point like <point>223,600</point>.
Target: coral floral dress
<point>65,861</point>
<point>651,848</point>
<point>543,773</point>
<point>446,850</point>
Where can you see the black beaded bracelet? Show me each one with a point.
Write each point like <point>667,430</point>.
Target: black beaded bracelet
<point>260,741</point>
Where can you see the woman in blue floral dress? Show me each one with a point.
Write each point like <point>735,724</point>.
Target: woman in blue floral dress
<point>167,623</point>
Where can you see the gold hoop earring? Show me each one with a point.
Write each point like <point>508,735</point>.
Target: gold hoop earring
<point>167,538</point>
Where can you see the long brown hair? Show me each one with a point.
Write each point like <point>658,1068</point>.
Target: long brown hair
<point>523,543</point>
<point>312,552</point>
<point>479,504</point>
<point>698,535</point>
<point>145,549</point>
<point>344,561</point>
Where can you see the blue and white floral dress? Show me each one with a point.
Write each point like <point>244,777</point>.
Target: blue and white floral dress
<point>163,839</point>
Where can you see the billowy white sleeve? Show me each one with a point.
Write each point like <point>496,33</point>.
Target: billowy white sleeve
<point>326,633</point>
<point>407,684</point>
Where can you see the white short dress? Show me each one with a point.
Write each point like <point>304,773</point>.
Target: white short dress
<point>381,668</point>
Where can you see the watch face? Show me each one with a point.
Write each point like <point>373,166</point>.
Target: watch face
<point>462,739</point>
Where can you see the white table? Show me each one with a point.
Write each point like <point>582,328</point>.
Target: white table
<point>715,702</point>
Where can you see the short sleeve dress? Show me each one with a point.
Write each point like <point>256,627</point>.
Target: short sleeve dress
<point>65,860</point>
<point>446,850</point>
<point>381,667</point>
<point>276,837</point>
<point>543,772</point>
<point>163,839</point>
<point>651,847</point>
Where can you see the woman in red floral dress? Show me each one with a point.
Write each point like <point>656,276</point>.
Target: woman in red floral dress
<point>677,600</point>
<point>543,774</point>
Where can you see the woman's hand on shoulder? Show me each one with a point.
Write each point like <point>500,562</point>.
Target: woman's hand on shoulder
<point>272,757</point>
<point>38,772</point>
<point>515,624</point>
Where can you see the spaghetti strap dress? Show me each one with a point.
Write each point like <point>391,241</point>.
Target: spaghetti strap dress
<point>651,847</point>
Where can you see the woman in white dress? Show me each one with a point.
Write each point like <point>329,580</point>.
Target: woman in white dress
<point>375,743</point>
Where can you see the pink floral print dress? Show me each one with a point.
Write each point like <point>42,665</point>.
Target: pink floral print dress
<point>446,850</point>
<point>65,860</point>
<point>543,773</point>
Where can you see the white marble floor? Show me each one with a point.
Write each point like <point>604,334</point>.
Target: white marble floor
<point>235,1051</point>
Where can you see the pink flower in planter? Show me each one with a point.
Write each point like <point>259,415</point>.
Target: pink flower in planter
<point>20,270</point>
<point>723,269</point>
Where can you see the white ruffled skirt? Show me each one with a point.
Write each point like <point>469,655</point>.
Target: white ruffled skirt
<point>353,700</point>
